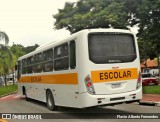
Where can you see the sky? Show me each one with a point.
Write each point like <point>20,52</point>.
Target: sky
<point>30,22</point>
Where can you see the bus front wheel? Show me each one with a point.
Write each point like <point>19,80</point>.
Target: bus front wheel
<point>25,94</point>
<point>50,101</point>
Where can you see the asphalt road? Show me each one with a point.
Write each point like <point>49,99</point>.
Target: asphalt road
<point>17,104</point>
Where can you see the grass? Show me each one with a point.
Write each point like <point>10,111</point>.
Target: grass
<point>7,89</point>
<point>151,89</point>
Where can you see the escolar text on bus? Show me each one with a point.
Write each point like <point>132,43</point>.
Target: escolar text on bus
<point>111,75</point>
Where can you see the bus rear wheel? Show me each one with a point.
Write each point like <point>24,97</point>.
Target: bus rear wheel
<point>50,101</point>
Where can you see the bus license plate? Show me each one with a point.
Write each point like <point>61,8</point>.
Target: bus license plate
<point>151,83</point>
<point>115,85</point>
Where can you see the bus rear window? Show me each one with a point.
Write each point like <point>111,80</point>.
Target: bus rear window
<point>111,48</point>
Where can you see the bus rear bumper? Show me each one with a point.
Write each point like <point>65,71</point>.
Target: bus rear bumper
<point>88,100</point>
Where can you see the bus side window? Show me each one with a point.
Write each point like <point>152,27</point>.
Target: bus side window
<point>48,60</point>
<point>65,49</point>
<point>30,62</point>
<point>61,59</point>
<point>72,55</point>
<point>58,52</point>
<point>24,68</point>
<point>38,63</point>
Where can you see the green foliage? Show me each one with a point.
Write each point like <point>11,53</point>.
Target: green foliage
<point>4,37</point>
<point>17,50</point>
<point>6,60</point>
<point>10,55</point>
<point>30,48</point>
<point>146,48</point>
<point>5,54</point>
<point>86,14</point>
<point>148,17</point>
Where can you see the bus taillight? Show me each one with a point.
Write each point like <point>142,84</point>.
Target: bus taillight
<point>139,81</point>
<point>89,85</point>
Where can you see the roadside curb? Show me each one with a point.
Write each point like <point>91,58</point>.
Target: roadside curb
<point>9,94</point>
<point>149,103</point>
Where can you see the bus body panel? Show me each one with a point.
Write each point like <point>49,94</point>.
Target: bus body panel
<point>98,100</point>
<point>64,95</point>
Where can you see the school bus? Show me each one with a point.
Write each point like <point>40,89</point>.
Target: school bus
<point>92,67</point>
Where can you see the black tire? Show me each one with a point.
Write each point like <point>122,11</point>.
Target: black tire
<point>50,101</point>
<point>25,94</point>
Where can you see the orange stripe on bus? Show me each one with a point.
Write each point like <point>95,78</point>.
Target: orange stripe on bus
<point>114,75</point>
<point>71,78</point>
<point>3,120</point>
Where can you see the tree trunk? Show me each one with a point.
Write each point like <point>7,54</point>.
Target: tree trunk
<point>13,76</point>
<point>5,80</point>
<point>158,62</point>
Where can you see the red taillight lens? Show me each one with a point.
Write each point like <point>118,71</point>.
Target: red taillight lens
<point>139,79</point>
<point>89,85</point>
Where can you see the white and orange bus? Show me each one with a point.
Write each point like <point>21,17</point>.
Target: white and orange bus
<point>89,68</point>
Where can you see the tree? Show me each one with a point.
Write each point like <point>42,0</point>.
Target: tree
<point>18,50</point>
<point>29,49</point>
<point>86,14</point>
<point>4,37</point>
<point>148,18</point>
<point>145,48</point>
<point>5,55</point>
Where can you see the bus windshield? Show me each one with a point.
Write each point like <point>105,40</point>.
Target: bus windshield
<point>111,48</point>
